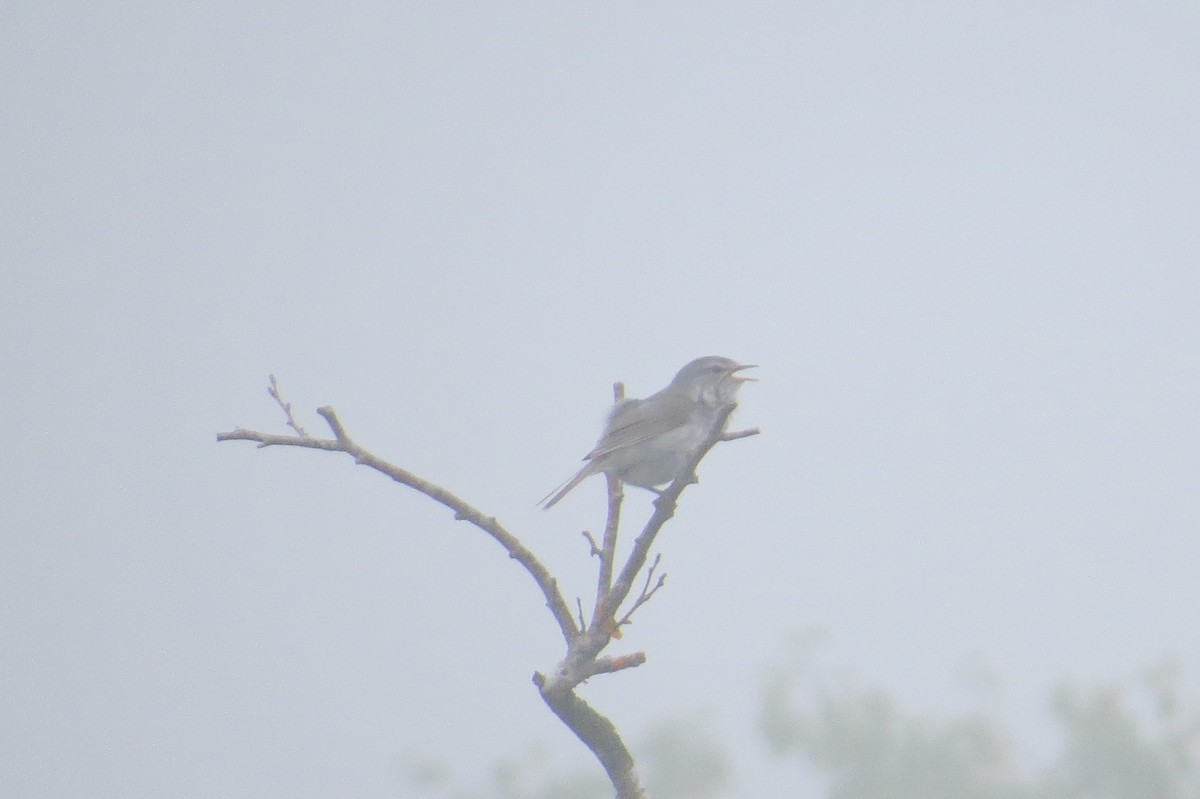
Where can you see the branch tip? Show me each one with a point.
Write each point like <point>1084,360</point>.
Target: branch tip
<point>734,436</point>
<point>327,413</point>
<point>595,550</point>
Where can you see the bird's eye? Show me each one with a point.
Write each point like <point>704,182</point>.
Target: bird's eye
<point>714,369</point>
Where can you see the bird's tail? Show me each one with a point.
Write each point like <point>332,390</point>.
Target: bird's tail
<point>547,502</point>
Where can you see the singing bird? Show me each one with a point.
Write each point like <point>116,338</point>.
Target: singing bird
<point>647,442</point>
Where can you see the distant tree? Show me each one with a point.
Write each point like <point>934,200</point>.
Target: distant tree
<point>585,637</point>
<point>1111,752</point>
<point>1117,742</point>
<point>864,746</point>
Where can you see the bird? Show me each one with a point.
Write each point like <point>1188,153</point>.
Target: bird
<point>648,442</point>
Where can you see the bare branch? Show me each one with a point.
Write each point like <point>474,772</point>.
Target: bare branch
<point>273,440</point>
<point>462,510</point>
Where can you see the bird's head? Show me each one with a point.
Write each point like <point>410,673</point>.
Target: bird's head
<point>712,379</point>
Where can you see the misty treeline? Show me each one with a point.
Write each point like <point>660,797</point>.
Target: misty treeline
<point>852,740</point>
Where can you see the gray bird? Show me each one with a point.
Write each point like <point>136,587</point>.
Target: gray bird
<point>647,442</point>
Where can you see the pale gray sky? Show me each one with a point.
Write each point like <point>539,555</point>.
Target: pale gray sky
<point>960,239</point>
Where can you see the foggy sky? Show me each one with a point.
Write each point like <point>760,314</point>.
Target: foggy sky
<point>960,240</point>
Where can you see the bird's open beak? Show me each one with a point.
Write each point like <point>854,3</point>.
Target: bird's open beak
<point>742,378</point>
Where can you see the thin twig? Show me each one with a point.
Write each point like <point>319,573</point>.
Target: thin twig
<point>608,665</point>
<point>734,436</point>
<point>273,390</point>
<point>646,593</point>
<point>594,547</point>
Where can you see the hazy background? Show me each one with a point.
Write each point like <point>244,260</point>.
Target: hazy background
<point>960,239</point>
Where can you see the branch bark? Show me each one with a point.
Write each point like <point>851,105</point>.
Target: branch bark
<point>601,736</point>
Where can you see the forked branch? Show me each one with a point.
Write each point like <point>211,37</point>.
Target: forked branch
<point>585,641</point>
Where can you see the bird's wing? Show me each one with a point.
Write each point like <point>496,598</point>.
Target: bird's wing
<point>624,410</point>
<point>633,421</point>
